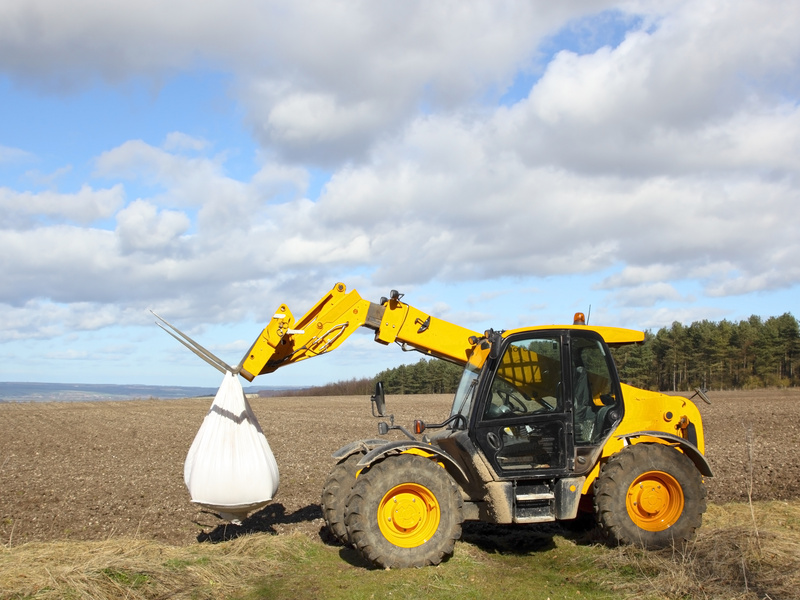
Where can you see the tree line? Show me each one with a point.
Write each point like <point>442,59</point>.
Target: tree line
<point>722,355</point>
<point>428,376</point>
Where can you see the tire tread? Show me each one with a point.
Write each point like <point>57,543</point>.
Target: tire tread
<point>361,512</point>
<point>335,492</point>
<point>611,486</point>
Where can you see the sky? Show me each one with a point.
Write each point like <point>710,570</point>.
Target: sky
<point>501,163</point>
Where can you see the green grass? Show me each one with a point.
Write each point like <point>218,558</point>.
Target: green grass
<point>126,579</point>
<point>738,554</point>
<point>563,571</point>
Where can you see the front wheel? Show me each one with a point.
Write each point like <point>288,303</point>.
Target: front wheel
<point>405,511</point>
<point>650,495</point>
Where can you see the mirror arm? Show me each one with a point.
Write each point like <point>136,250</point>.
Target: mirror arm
<point>420,426</point>
<point>384,428</point>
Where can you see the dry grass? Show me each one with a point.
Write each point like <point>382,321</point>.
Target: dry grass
<point>141,569</point>
<point>734,557</point>
<point>743,551</point>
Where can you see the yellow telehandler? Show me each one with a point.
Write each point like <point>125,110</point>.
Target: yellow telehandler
<point>541,429</point>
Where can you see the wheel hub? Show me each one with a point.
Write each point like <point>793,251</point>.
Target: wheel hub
<point>408,515</point>
<point>407,511</point>
<point>655,501</point>
<point>651,496</point>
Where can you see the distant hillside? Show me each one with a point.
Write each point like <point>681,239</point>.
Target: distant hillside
<point>85,392</point>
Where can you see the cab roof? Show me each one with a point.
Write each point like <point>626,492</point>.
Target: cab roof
<point>613,336</point>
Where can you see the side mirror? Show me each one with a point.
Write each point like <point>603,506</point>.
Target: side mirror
<point>378,401</point>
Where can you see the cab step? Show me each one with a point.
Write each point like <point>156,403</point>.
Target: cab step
<point>534,503</point>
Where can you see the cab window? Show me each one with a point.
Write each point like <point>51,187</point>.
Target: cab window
<point>528,379</point>
<point>593,396</point>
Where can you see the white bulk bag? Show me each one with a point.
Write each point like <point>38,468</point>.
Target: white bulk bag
<point>230,467</point>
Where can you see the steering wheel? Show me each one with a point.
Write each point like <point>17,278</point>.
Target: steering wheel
<point>512,400</point>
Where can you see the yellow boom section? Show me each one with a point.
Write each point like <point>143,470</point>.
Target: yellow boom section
<point>336,316</point>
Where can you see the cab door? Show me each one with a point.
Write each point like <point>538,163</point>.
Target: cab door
<point>524,422</point>
<point>597,406</point>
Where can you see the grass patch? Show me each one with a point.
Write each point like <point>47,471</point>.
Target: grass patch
<point>739,554</point>
<point>565,571</point>
<point>140,569</point>
<point>125,579</point>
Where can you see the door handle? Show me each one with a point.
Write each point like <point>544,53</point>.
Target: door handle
<point>493,440</point>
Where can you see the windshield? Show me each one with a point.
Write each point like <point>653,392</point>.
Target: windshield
<point>466,390</point>
<point>462,403</point>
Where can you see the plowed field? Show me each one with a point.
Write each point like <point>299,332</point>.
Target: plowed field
<point>99,469</point>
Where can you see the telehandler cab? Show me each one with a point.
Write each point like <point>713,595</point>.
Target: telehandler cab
<point>541,429</point>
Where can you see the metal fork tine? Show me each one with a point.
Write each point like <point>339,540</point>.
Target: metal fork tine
<point>192,345</point>
<point>207,359</point>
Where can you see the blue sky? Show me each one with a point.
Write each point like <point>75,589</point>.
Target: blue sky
<point>500,163</point>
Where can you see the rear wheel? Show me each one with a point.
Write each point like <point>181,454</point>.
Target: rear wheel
<point>650,495</point>
<point>405,511</point>
<point>334,495</point>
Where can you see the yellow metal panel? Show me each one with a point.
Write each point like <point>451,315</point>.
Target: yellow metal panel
<point>435,337</point>
<point>393,319</point>
<point>264,347</point>
<point>612,335</point>
<point>333,319</point>
<point>324,327</point>
<point>650,411</point>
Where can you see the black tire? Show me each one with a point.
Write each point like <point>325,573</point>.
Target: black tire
<point>405,511</point>
<point>649,495</point>
<point>334,496</point>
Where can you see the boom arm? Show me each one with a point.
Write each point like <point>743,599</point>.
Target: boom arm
<point>336,316</point>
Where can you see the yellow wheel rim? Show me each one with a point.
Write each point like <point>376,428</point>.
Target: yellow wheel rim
<point>655,501</point>
<point>409,515</point>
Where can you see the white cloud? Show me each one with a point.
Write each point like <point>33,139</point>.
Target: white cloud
<point>632,276</point>
<point>670,157</point>
<point>648,295</point>
<point>316,118</point>
<point>654,318</point>
<point>12,155</point>
<point>177,140</point>
<point>69,354</point>
<point>368,66</point>
<point>141,227</point>
<point>679,96</point>
<point>136,159</point>
<point>47,179</point>
<point>44,319</point>
<point>788,274</point>
<point>23,209</point>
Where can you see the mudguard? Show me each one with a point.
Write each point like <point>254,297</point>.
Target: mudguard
<point>377,453</point>
<point>686,446</point>
<point>360,446</point>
